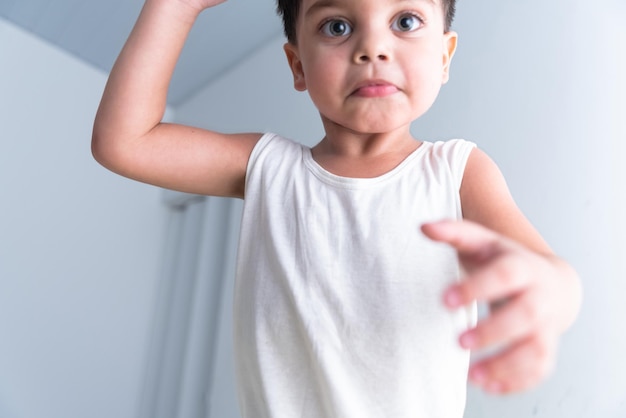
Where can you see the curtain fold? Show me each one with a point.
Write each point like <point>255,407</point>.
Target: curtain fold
<point>190,350</point>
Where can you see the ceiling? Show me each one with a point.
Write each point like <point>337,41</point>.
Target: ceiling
<point>95,31</point>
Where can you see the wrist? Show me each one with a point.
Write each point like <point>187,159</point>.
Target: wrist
<point>183,11</point>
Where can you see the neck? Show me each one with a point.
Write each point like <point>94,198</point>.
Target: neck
<point>344,142</point>
<point>356,154</point>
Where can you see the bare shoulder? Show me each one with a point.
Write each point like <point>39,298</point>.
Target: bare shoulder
<point>182,158</point>
<point>486,199</point>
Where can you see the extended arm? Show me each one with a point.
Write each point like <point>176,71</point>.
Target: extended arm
<point>534,295</point>
<point>128,135</point>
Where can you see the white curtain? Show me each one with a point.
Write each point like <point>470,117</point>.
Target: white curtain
<point>189,359</point>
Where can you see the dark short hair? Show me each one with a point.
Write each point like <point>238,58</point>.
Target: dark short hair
<point>289,9</point>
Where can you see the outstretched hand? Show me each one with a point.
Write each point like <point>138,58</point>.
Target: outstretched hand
<point>533,297</point>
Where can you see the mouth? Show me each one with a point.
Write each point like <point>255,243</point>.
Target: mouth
<point>375,88</point>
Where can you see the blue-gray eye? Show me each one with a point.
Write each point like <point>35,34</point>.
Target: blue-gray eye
<point>407,22</point>
<point>336,28</point>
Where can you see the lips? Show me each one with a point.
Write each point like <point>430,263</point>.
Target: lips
<point>375,88</point>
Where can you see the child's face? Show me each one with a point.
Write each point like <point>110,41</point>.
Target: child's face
<point>371,66</point>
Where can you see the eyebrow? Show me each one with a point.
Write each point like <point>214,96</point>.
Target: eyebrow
<point>323,4</point>
<point>318,5</point>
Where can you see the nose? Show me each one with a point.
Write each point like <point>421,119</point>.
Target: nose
<point>372,46</point>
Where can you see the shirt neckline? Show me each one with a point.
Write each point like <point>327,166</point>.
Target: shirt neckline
<point>358,182</point>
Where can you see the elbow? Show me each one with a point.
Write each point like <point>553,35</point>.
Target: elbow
<point>106,151</point>
<point>96,152</point>
<point>99,150</point>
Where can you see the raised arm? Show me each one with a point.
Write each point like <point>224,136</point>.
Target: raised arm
<point>129,137</point>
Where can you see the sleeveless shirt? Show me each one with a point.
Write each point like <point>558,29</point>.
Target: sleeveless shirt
<point>338,307</point>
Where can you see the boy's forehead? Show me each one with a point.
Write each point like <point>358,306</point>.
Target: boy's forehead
<point>310,5</point>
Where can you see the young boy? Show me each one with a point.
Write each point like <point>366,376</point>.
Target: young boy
<point>348,301</point>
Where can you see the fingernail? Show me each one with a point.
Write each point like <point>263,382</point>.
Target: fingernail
<point>494,387</point>
<point>478,375</point>
<point>468,340</point>
<point>452,298</point>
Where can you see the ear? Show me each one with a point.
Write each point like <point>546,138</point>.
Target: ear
<point>295,64</point>
<point>449,48</point>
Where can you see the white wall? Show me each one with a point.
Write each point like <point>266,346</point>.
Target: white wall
<point>79,246</point>
<point>256,96</point>
<point>537,85</point>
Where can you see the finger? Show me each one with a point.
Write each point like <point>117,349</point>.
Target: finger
<point>519,367</point>
<point>512,322</point>
<point>465,236</point>
<point>500,279</point>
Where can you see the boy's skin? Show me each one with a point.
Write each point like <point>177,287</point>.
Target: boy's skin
<point>370,74</point>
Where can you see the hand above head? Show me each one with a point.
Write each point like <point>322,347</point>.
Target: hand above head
<point>187,7</point>
<point>534,298</point>
<point>200,5</point>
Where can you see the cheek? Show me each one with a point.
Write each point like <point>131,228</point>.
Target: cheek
<point>426,73</point>
<point>325,82</point>
<point>318,74</point>
<point>322,70</point>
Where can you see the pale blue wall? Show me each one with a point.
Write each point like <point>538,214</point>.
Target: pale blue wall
<point>79,246</point>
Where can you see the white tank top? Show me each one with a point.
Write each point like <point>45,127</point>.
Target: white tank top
<point>338,297</point>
